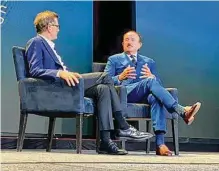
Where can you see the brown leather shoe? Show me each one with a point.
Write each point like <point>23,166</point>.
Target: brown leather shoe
<point>190,112</point>
<point>163,150</point>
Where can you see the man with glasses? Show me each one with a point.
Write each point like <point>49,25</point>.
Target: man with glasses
<point>45,63</point>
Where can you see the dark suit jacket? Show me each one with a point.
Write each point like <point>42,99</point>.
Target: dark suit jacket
<point>42,61</point>
<point>118,62</point>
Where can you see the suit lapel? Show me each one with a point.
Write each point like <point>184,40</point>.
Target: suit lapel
<point>126,60</point>
<point>140,62</point>
<point>49,49</point>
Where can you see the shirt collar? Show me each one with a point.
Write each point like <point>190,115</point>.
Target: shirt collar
<point>51,43</point>
<point>135,55</point>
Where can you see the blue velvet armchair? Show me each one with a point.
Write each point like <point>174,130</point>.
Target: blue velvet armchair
<point>50,99</point>
<point>137,112</point>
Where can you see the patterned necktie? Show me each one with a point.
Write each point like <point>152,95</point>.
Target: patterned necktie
<point>133,60</point>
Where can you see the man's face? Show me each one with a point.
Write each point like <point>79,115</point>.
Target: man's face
<point>53,29</point>
<point>131,42</point>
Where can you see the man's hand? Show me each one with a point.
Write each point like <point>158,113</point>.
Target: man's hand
<point>146,72</point>
<point>129,72</point>
<point>70,77</point>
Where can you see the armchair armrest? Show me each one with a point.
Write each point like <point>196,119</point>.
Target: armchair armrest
<point>38,95</point>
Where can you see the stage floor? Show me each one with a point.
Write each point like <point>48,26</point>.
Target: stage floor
<point>61,160</point>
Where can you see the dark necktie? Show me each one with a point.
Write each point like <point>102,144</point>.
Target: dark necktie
<point>133,60</point>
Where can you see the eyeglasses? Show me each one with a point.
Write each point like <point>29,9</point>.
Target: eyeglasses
<point>58,26</point>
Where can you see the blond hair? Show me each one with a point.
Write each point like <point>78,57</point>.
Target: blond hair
<point>42,20</point>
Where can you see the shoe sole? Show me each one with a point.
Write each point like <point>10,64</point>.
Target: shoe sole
<point>190,120</point>
<point>198,105</point>
<point>104,152</point>
<point>165,154</point>
<point>135,139</point>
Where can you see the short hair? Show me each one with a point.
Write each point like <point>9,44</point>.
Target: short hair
<point>140,38</point>
<point>42,20</point>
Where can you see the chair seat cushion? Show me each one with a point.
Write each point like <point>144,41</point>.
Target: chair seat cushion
<point>137,110</point>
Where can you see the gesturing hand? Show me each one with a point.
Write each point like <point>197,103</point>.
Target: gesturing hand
<point>70,77</point>
<point>129,72</point>
<point>146,72</point>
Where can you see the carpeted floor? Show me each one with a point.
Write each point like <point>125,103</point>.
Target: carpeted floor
<point>60,160</point>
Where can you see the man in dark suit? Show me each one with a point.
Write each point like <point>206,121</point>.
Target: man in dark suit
<point>45,63</point>
<point>139,75</point>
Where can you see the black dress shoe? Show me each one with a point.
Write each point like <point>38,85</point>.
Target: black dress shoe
<point>133,133</point>
<point>111,148</point>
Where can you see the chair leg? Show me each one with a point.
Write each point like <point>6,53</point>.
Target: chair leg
<point>123,143</point>
<point>50,133</point>
<point>79,123</point>
<point>21,133</point>
<point>97,136</point>
<point>174,123</point>
<point>148,142</point>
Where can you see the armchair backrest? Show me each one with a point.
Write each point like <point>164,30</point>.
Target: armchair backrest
<point>21,66</point>
<point>98,67</point>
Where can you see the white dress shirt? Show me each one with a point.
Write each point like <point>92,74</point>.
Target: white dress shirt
<point>135,56</point>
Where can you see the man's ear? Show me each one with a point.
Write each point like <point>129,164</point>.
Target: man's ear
<point>140,45</point>
<point>122,43</point>
<point>48,28</point>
